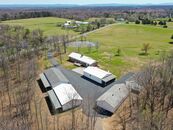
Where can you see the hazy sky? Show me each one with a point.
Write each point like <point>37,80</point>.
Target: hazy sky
<point>83,1</point>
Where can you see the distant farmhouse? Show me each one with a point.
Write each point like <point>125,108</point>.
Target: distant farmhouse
<point>120,19</point>
<point>81,23</point>
<point>70,24</point>
<point>100,76</point>
<point>82,60</point>
<point>74,24</point>
<point>61,93</point>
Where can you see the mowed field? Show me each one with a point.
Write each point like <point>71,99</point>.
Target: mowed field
<point>170,25</point>
<point>47,24</point>
<point>130,39</point>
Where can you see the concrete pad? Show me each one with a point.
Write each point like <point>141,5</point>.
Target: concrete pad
<point>79,70</point>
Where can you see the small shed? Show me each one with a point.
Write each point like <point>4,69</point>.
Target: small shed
<point>98,75</point>
<point>136,82</point>
<point>112,98</point>
<point>83,60</point>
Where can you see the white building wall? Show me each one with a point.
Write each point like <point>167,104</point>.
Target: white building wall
<point>71,104</point>
<point>96,79</point>
<point>103,104</point>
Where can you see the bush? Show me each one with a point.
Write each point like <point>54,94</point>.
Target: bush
<point>155,23</point>
<point>145,48</point>
<point>162,22</point>
<point>59,25</point>
<point>137,22</point>
<point>118,52</point>
<point>172,36</point>
<point>169,20</point>
<point>165,26</point>
<point>146,21</point>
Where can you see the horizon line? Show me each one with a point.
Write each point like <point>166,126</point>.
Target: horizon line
<point>87,4</point>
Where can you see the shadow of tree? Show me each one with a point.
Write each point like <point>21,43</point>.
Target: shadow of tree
<point>143,54</point>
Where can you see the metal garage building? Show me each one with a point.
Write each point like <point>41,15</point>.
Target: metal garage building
<point>100,76</point>
<point>52,77</point>
<point>62,94</point>
<point>81,59</point>
<point>112,99</point>
<point>64,97</point>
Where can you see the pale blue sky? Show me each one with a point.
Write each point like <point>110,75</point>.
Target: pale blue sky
<point>83,1</point>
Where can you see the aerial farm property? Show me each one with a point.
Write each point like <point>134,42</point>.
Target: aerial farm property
<point>68,89</point>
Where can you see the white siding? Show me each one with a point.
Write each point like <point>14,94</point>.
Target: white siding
<point>71,104</point>
<point>106,106</point>
<point>98,80</point>
<point>82,59</point>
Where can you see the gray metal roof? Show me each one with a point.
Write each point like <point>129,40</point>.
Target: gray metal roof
<point>44,81</point>
<point>114,97</point>
<point>54,100</point>
<point>55,76</point>
<point>108,78</point>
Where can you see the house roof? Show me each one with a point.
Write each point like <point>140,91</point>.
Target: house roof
<point>55,76</point>
<point>97,72</point>
<point>66,93</point>
<point>115,95</point>
<point>84,59</point>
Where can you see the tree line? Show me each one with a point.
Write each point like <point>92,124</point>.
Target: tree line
<point>79,13</point>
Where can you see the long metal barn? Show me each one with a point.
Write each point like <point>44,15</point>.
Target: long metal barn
<point>100,76</point>
<point>61,93</point>
<point>81,59</point>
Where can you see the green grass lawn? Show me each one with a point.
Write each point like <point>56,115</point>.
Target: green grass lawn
<point>170,25</point>
<point>129,38</point>
<point>47,24</point>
